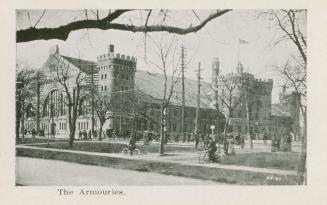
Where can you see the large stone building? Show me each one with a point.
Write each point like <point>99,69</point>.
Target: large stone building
<point>261,116</point>
<point>116,74</point>
<point>244,89</point>
<point>138,95</point>
<point>289,105</point>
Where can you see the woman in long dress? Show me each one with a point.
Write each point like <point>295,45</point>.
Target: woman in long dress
<point>231,149</point>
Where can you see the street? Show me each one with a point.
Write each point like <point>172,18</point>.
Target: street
<point>41,172</point>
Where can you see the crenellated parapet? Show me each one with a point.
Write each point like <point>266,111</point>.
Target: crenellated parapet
<point>117,56</point>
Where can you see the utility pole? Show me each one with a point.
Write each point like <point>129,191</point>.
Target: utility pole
<point>38,88</point>
<point>183,94</point>
<point>163,126</point>
<point>92,96</point>
<point>198,100</point>
<point>246,85</point>
<point>215,73</point>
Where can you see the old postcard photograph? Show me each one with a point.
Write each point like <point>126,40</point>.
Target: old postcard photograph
<point>114,103</point>
<point>227,105</point>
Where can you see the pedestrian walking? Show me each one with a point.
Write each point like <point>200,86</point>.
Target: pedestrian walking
<point>225,142</point>
<point>265,138</point>
<point>33,133</point>
<point>53,130</point>
<point>231,149</point>
<point>196,136</point>
<point>289,142</point>
<point>132,144</point>
<point>212,148</point>
<point>95,133</point>
<point>242,138</point>
<point>90,135</point>
<point>84,134</point>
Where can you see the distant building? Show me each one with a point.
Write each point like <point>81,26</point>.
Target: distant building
<point>290,104</point>
<point>255,92</point>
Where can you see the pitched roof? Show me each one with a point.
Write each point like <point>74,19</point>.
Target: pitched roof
<point>277,111</point>
<point>152,84</point>
<point>85,65</point>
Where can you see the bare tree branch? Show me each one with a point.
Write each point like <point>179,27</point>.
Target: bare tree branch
<point>63,32</point>
<point>37,22</point>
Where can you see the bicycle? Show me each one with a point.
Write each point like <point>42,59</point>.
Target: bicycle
<point>203,156</point>
<point>126,151</point>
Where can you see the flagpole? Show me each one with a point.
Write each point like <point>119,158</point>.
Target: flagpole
<point>238,52</point>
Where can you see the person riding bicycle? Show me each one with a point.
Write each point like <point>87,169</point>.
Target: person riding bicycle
<point>132,144</point>
<point>212,148</point>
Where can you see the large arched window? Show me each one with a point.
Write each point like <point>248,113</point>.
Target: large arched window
<point>54,105</point>
<point>85,106</point>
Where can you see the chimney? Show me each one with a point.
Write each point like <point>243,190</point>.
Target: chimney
<point>111,48</point>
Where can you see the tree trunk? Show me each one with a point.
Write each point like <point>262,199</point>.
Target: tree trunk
<point>162,131</point>
<point>248,118</point>
<point>71,138</point>
<point>226,126</point>
<point>302,172</point>
<point>100,134</point>
<point>23,126</point>
<point>17,126</point>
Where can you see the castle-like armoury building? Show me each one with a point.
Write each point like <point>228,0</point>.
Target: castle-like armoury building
<point>136,96</point>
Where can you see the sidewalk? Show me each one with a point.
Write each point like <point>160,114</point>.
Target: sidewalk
<point>171,159</point>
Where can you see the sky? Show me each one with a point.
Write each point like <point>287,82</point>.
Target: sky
<point>219,38</point>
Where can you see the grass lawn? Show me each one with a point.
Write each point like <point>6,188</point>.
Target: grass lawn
<point>275,160</point>
<point>38,140</point>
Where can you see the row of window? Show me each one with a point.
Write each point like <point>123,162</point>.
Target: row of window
<point>122,88</point>
<point>44,126</point>
<point>62,126</point>
<point>121,76</point>
<point>103,76</point>
<point>83,125</point>
<point>105,67</point>
<point>103,88</point>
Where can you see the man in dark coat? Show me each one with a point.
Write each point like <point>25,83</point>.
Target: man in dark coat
<point>33,133</point>
<point>90,135</point>
<point>226,145</point>
<point>212,148</point>
<point>132,144</point>
<point>196,136</point>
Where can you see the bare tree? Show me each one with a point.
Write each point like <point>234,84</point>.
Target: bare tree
<point>165,50</point>
<point>293,26</point>
<point>229,96</point>
<point>102,106</point>
<point>24,92</point>
<point>110,21</point>
<point>71,81</point>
